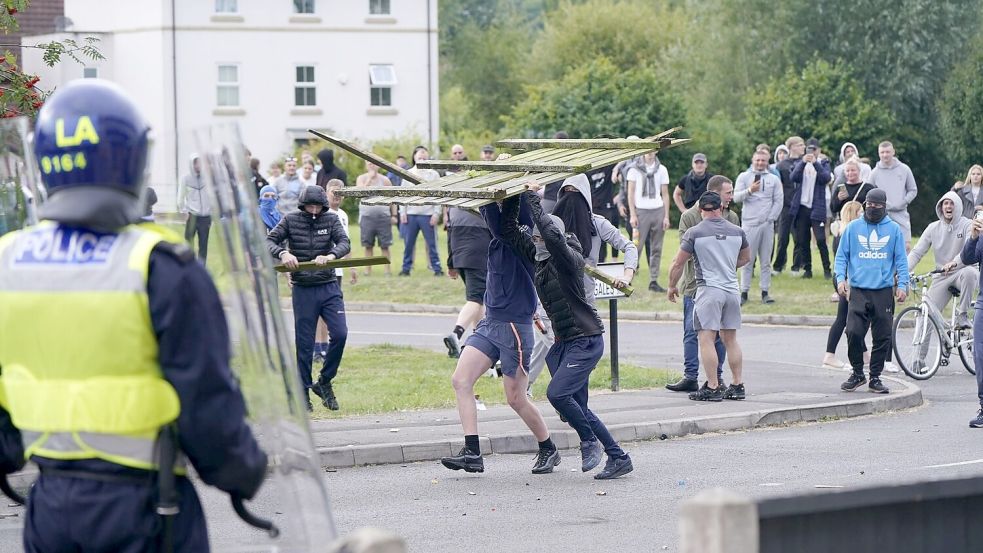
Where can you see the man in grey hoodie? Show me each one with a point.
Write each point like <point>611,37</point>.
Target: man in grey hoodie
<point>194,202</point>
<point>895,179</point>
<point>761,193</point>
<point>946,238</point>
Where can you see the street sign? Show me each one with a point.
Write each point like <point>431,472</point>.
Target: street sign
<point>603,291</point>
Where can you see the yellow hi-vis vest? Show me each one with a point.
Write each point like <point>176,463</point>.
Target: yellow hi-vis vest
<point>80,374</point>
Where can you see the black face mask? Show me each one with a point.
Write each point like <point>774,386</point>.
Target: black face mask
<point>874,214</point>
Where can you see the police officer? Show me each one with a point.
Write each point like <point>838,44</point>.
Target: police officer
<point>139,362</point>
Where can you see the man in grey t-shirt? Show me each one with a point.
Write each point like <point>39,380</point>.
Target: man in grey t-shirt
<point>718,249</point>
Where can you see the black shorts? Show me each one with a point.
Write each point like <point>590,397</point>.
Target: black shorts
<point>474,284</point>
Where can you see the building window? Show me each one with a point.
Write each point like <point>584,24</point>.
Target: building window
<point>382,78</point>
<point>228,85</point>
<point>303,6</point>
<point>378,7</point>
<point>305,91</point>
<point>90,72</point>
<point>226,6</point>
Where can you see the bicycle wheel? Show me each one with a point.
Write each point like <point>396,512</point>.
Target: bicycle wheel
<point>965,346</point>
<point>917,343</point>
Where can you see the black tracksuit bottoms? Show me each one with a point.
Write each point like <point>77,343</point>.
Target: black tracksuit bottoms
<point>874,310</point>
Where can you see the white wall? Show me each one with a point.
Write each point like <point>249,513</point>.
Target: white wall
<point>267,40</point>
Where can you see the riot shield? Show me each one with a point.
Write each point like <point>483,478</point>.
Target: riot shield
<point>20,186</point>
<point>294,495</point>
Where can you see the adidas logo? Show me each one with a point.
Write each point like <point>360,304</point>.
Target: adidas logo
<point>873,245</point>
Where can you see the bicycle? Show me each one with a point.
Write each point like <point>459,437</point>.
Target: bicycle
<point>923,340</point>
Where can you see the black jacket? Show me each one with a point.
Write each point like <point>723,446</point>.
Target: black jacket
<point>329,170</point>
<point>785,168</point>
<point>309,236</point>
<point>559,279</point>
<point>693,187</point>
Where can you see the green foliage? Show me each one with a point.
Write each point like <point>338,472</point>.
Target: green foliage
<point>961,110</point>
<point>825,101</point>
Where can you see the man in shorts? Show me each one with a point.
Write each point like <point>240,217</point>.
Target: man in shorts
<point>468,239</point>
<point>375,222</point>
<point>506,335</point>
<point>718,249</point>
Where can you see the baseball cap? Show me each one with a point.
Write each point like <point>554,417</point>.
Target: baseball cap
<point>700,157</point>
<point>488,148</point>
<point>812,142</point>
<point>710,201</point>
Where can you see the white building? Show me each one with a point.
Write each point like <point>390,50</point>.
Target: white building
<point>359,69</point>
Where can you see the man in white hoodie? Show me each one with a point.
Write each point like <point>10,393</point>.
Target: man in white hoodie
<point>895,179</point>
<point>193,201</point>
<point>946,238</point>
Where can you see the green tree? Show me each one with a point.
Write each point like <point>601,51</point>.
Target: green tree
<point>961,110</point>
<point>823,100</point>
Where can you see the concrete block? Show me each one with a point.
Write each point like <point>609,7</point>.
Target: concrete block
<point>623,432</point>
<point>514,443</point>
<point>337,457</point>
<point>718,521</point>
<point>649,430</point>
<point>378,454</point>
<point>426,451</point>
<point>780,416</point>
<point>565,439</point>
<point>722,423</point>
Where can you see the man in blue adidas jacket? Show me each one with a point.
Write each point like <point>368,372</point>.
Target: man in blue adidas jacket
<point>871,253</point>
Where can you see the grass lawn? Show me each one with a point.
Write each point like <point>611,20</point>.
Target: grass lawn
<point>795,296</point>
<point>386,378</point>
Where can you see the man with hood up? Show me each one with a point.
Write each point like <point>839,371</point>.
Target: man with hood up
<point>194,202</point>
<point>328,169</point>
<point>947,237</point>
<point>871,253</point>
<point>895,178</point>
<point>848,150</point>
<point>314,234</point>
<point>579,345</point>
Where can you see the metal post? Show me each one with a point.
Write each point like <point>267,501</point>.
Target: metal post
<point>613,310</point>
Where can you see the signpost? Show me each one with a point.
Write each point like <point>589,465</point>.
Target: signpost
<point>612,294</point>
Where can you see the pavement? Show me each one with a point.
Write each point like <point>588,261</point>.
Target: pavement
<point>779,395</point>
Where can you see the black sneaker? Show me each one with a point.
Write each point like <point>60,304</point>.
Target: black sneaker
<point>310,406</point>
<point>404,273</point>
<point>546,459</point>
<point>327,395</point>
<point>453,345</point>
<point>438,273</point>
<point>807,273</point>
<point>743,298</point>
<point>735,391</point>
<point>706,393</point>
<point>855,381</point>
<point>590,455</point>
<point>877,387</point>
<point>978,421</point>
<point>654,287</point>
<point>466,460</point>
<point>615,467</point>
<point>684,385</point>
<point>766,299</point>
<point>827,274</point>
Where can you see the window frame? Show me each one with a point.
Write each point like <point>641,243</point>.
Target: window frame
<point>310,87</point>
<point>300,4</point>
<point>230,85</point>
<point>224,3</point>
<point>381,89</point>
<point>384,7</point>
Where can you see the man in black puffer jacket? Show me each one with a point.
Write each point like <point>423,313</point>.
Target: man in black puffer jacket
<point>314,234</point>
<point>579,331</point>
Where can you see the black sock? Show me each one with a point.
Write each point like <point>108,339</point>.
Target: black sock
<point>471,442</point>
<point>459,330</point>
<point>547,445</point>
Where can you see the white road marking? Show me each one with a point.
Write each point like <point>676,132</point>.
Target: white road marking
<point>959,464</point>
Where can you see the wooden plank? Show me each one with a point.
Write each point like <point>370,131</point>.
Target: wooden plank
<point>335,264</point>
<point>416,191</point>
<point>596,144</point>
<point>504,165</point>
<point>367,156</point>
<point>627,290</point>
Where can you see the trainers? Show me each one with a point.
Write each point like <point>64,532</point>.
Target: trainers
<point>546,459</point>
<point>453,345</point>
<point>706,393</point>
<point>327,395</point>
<point>807,273</point>
<point>654,287</point>
<point>615,467</point>
<point>404,273</point>
<point>855,381</point>
<point>466,460</point>
<point>684,385</point>
<point>978,421</point>
<point>962,321</point>
<point>735,391</point>
<point>590,455</point>
<point>877,387</point>
<point>438,273</point>
<point>890,367</point>
<point>766,299</point>
<point>918,366</point>
<point>318,358</point>
<point>743,298</point>
<point>827,274</point>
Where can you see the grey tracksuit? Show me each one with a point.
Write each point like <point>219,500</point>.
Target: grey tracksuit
<point>761,210</point>
<point>896,180</point>
<point>947,240</point>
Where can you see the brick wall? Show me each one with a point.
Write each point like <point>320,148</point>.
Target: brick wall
<point>38,18</point>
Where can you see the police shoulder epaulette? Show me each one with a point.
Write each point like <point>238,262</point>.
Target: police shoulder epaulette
<point>181,252</point>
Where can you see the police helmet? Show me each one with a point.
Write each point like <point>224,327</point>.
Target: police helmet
<point>91,144</point>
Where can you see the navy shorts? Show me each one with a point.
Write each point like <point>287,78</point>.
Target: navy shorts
<point>511,343</point>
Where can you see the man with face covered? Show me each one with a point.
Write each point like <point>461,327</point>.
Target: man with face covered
<point>871,253</point>
<point>579,344</point>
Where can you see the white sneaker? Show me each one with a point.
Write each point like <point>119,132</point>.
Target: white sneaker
<point>890,367</point>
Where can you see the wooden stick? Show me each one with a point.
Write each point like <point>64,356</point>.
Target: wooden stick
<point>335,264</point>
<point>627,290</point>
<point>368,156</point>
<point>417,191</point>
<point>595,144</point>
<point>504,165</point>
